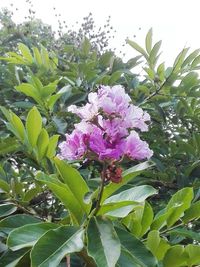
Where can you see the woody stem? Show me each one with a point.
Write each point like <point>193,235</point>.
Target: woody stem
<point>100,194</point>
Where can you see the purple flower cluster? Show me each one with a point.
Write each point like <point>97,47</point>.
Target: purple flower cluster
<point>107,130</point>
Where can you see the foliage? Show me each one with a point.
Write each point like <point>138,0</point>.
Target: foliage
<point>47,206</point>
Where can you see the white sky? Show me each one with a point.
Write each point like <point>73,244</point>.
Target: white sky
<point>175,22</point>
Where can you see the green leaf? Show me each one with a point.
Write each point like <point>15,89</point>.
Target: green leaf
<point>185,233</point>
<point>161,71</point>
<point>15,221</point>
<point>49,89</point>
<point>179,60</point>
<point>29,90</point>
<point>137,48</point>
<point>51,151</point>
<point>63,192</point>
<point>33,126</point>
<point>37,56</point>
<point>159,220</point>
<point>101,238</point>
<point>137,194</point>
<point>148,41</point>
<point>45,57</point>
<point>115,77</point>
<point>18,126</point>
<point>7,209</point>
<point>126,260</point>
<point>179,202</point>
<point>4,186</point>
<point>9,145</point>
<point>139,221</point>
<point>63,241</point>
<point>106,59</point>
<point>119,209</point>
<point>192,213</point>
<point>27,235</point>
<point>127,175</point>
<point>12,258</point>
<point>157,245</point>
<point>42,143</point>
<point>191,57</point>
<point>193,252</point>
<point>74,181</point>
<point>195,62</point>
<point>175,257</point>
<point>25,52</point>
<point>136,250</point>
<point>85,48</point>
<point>154,53</point>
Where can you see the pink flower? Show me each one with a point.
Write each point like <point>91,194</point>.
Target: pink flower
<point>88,111</point>
<point>74,147</point>
<point>137,118</point>
<point>136,148</point>
<point>113,100</point>
<point>105,148</point>
<point>106,131</point>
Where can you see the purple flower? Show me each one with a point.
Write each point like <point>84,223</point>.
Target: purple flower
<point>106,131</point>
<point>74,147</point>
<point>136,148</point>
<point>88,111</point>
<point>137,118</point>
<point>114,100</point>
<point>104,147</point>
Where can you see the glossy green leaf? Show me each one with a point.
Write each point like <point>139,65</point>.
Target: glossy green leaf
<point>9,145</point>
<point>148,41</point>
<point>179,60</point>
<point>12,258</point>
<point>137,48</point>
<point>139,221</point>
<point>18,126</point>
<point>25,52</point>
<point>33,126</point>
<point>27,235</point>
<point>29,90</point>
<point>179,202</point>
<point>154,53</point>
<point>74,181</point>
<point>196,62</point>
<point>137,194</point>
<point>193,253</point>
<point>136,250</point>
<point>12,222</point>
<point>175,257</point>
<point>42,143</point>
<point>66,196</point>
<point>4,186</point>
<point>37,56</point>
<point>49,89</point>
<point>157,245</point>
<point>185,233</point>
<point>192,213</point>
<point>101,238</point>
<point>191,57</point>
<point>53,141</point>
<point>118,209</point>
<point>127,175</point>
<point>7,209</point>
<point>61,242</point>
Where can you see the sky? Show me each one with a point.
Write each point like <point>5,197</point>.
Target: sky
<point>175,22</point>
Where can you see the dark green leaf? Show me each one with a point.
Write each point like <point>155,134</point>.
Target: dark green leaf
<point>51,248</point>
<point>101,238</point>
